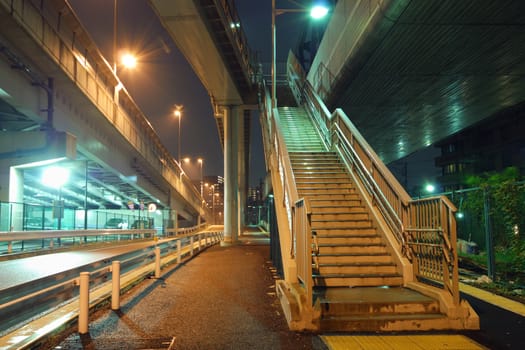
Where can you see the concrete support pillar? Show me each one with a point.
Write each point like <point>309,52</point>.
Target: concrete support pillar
<point>4,182</point>
<point>242,176</point>
<point>175,219</point>
<point>231,186</point>
<point>16,195</point>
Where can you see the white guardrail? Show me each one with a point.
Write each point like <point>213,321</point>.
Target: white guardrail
<point>58,300</point>
<point>23,237</point>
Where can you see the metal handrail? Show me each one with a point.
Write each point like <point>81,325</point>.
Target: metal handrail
<point>67,283</point>
<point>285,189</point>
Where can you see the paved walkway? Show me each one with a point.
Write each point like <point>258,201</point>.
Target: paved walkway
<point>224,298</point>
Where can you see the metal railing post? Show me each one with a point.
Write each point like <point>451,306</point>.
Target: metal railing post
<point>199,239</point>
<point>115,292</point>
<point>191,245</point>
<point>179,257</point>
<point>157,262</point>
<point>83,314</point>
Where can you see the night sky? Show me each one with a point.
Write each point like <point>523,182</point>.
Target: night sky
<point>163,78</point>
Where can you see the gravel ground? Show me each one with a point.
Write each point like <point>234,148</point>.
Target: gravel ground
<point>224,298</point>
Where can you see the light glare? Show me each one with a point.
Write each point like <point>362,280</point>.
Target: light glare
<point>318,11</point>
<point>129,61</point>
<point>55,176</point>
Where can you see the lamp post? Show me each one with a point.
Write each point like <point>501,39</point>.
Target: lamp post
<point>178,114</point>
<point>200,163</point>
<point>316,12</point>
<point>191,172</point>
<point>213,204</point>
<point>128,60</point>
<point>56,177</point>
<point>115,8</point>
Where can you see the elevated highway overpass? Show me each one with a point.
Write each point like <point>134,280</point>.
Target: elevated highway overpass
<point>61,102</point>
<point>423,70</point>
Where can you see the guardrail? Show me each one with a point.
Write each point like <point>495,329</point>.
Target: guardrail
<point>23,303</point>
<point>26,237</point>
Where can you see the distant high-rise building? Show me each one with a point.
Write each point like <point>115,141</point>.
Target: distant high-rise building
<point>490,145</point>
<point>213,194</point>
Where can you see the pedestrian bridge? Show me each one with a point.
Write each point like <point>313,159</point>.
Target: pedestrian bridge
<point>342,218</point>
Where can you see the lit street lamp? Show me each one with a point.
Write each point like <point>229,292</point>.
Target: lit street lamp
<point>128,59</point>
<point>318,11</point>
<point>187,160</point>
<point>200,163</point>
<point>56,177</point>
<point>178,113</point>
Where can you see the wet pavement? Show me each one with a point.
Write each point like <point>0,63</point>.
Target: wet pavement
<point>224,298</point>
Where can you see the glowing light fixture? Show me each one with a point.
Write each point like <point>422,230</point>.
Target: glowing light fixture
<point>318,11</point>
<point>55,176</point>
<point>430,188</point>
<point>129,61</point>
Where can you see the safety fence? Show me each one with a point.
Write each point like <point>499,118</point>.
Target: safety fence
<point>67,296</point>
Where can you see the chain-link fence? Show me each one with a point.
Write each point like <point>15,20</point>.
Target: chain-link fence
<point>491,222</point>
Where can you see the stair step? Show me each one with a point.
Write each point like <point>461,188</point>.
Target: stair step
<point>316,202</point>
<point>353,258</point>
<point>345,231</point>
<point>336,209</point>
<point>325,186</point>
<point>334,196</point>
<point>357,280</point>
<point>355,269</point>
<point>348,240</point>
<point>344,224</point>
<point>332,191</point>
<point>364,249</point>
<point>378,323</point>
<point>350,216</point>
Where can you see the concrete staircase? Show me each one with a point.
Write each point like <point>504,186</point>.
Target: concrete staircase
<point>356,279</point>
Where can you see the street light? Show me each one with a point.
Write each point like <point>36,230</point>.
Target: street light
<point>200,163</point>
<point>430,188</point>
<point>318,11</point>
<point>178,113</point>
<point>128,59</point>
<point>56,177</point>
<point>187,160</point>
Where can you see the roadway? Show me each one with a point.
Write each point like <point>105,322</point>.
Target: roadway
<point>30,269</point>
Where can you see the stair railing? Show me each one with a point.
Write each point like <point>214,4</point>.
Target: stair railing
<point>425,229</point>
<point>294,227</point>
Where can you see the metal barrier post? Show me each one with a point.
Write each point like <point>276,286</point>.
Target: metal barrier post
<point>179,257</point>
<point>83,314</point>
<point>191,245</point>
<point>157,262</point>
<point>115,292</point>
